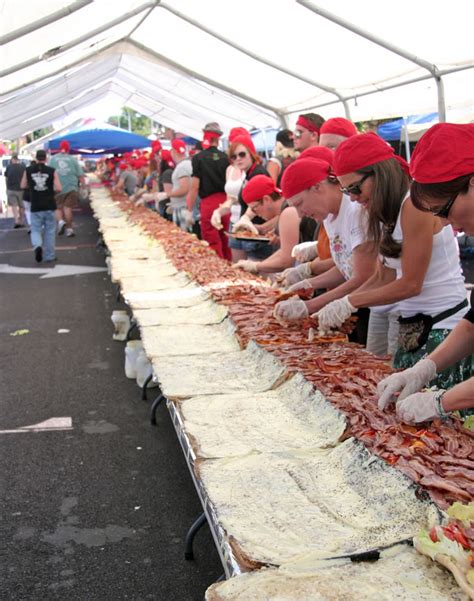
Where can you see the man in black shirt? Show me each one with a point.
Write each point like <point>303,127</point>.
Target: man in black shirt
<point>14,173</point>
<point>42,182</point>
<point>208,181</point>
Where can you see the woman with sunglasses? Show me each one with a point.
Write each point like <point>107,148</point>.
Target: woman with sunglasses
<point>243,155</point>
<point>442,167</point>
<point>312,189</point>
<point>419,269</point>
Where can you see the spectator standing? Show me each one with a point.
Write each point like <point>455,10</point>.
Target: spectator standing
<point>71,176</point>
<point>43,182</point>
<point>14,174</point>
<point>208,181</point>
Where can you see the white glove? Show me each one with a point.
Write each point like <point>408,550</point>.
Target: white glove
<point>188,218</point>
<point>247,265</point>
<point>244,223</point>
<point>303,285</point>
<point>419,407</point>
<point>334,314</point>
<point>216,219</point>
<point>405,382</point>
<point>296,274</point>
<point>292,309</point>
<point>160,196</point>
<point>169,210</point>
<point>306,251</point>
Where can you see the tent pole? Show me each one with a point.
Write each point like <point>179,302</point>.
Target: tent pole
<point>430,67</point>
<point>407,140</point>
<point>52,18</point>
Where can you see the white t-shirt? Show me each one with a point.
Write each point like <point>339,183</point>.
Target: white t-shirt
<point>183,169</point>
<point>346,231</point>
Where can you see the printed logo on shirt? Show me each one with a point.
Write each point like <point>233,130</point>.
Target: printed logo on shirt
<point>40,180</point>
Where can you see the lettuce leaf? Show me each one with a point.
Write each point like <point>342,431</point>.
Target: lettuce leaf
<point>464,513</point>
<point>444,546</point>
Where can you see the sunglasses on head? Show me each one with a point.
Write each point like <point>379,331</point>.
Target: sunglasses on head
<point>241,155</point>
<point>297,133</point>
<point>355,188</point>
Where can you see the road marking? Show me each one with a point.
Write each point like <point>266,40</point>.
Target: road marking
<point>58,271</point>
<point>53,424</point>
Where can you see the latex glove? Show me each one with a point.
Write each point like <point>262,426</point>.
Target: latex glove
<point>292,309</point>
<point>419,407</point>
<point>334,314</point>
<point>169,210</point>
<point>296,274</point>
<point>245,224</point>
<point>188,218</point>
<point>306,251</point>
<point>160,196</point>
<point>216,219</point>
<point>247,265</point>
<point>405,382</point>
<point>303,285</point>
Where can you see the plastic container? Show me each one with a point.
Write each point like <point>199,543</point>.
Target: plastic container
<point>144,370</point>
<point>121,322</point>
<point>132,351</point>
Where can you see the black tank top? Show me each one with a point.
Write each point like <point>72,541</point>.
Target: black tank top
<point>40,179</point>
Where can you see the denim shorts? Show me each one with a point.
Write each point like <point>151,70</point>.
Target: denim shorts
<point>254,250</point>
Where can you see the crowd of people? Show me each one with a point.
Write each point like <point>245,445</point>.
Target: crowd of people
<point>335,217</point>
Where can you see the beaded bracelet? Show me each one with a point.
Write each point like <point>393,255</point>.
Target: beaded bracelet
<point>439,406</point>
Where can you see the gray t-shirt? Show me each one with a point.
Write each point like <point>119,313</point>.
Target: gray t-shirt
<point>183,169</point>
<point>130,182</point>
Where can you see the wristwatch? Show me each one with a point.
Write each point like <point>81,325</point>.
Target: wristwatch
<point>439,405</point>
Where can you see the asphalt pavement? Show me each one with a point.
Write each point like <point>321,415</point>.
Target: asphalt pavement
<point>95,504</point>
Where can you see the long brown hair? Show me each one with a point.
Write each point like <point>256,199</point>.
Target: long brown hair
<point>421,194</point>
<point>390,187</point>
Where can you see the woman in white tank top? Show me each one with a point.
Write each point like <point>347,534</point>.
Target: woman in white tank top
<point>420,269</point>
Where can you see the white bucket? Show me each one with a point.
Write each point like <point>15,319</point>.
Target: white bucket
<point>132,351</point>
<point>144,370</point>
<point>108,262</point>
<point>121,322</point>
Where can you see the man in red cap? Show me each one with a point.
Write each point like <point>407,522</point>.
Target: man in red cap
<point>265,200</point>
<point>307,130</point>
<point>71,176</point>
<point>181,182</point>
<point>334,131</point>
<point>208,181</point>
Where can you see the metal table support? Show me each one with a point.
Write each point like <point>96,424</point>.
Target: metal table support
<point>197,525</point>
<point>133,326</point>
<point>145,386</point>
<point>154,407</point>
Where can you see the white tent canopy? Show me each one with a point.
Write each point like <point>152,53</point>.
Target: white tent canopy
<point>255,64</point>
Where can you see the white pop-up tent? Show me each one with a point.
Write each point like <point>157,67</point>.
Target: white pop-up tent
<point>252,64</point>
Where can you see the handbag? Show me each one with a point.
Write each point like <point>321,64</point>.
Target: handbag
<point>414,331</point>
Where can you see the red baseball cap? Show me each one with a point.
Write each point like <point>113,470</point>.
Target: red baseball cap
<point>445,152</point>
<point>258,187</point>
<point>361,151</point>
<point>318,152</point>
<point>166,156</point>
<point>237,131</point>
<point>179,146</point>
<point>302,174</point>
<point>64,145</point>
<point>339,126</point>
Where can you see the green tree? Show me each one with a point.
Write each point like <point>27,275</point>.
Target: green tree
<point>133,121</point>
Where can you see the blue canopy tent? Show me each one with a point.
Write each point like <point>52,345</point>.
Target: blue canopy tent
<point>392,130</point>
<point>100,138</point>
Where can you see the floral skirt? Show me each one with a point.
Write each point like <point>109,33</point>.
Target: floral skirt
<point>448,378</point>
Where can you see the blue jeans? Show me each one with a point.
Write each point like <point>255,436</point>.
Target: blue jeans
<point>43,232</point>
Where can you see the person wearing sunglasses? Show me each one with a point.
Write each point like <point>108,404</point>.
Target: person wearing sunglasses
<point>419,274</point>
<point>266,201</point>
<point>442,168</point>
<point>307,130</point>
<point>243,155</point>
<point>310,186</point>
